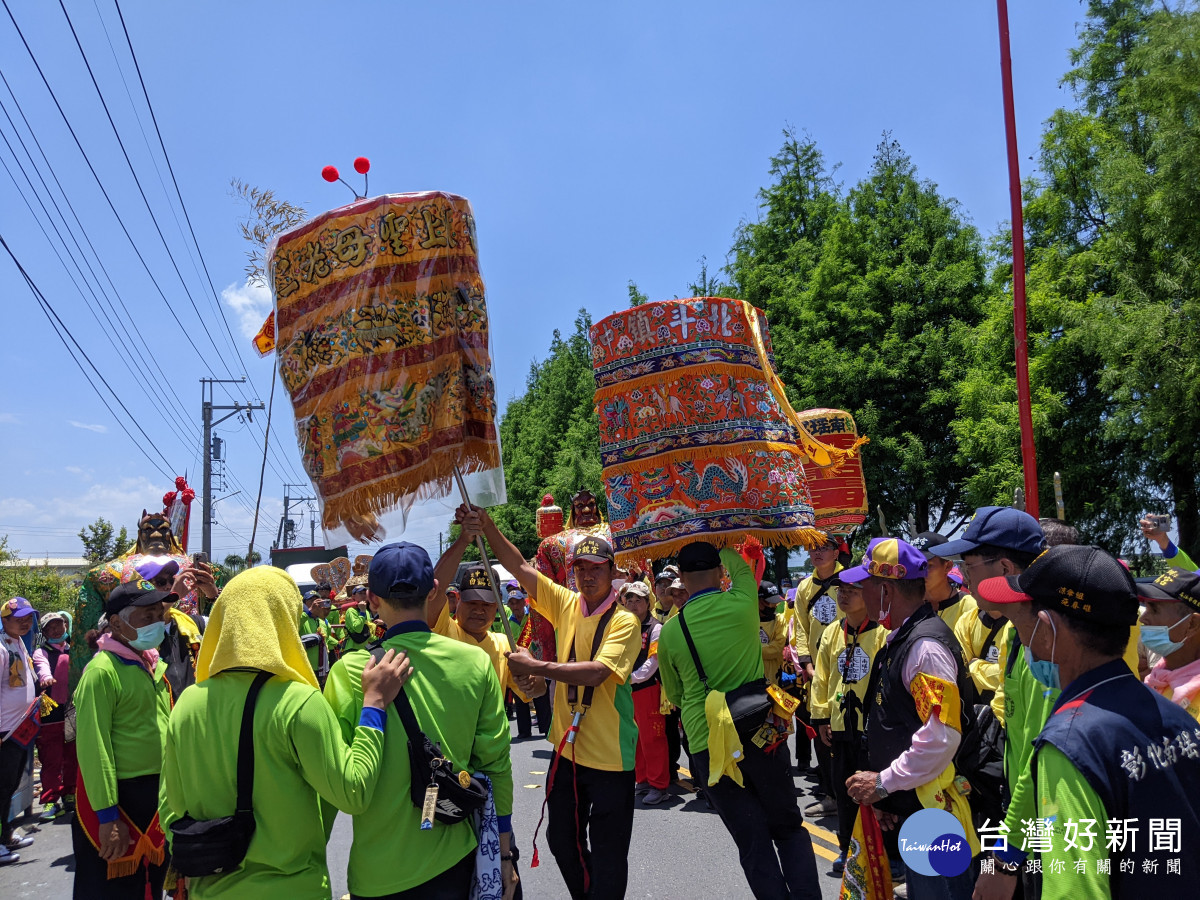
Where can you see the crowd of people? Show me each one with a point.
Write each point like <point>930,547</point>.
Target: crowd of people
<point>1024,686</point>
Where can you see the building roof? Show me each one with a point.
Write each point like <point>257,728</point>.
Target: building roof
<point>53,562</point>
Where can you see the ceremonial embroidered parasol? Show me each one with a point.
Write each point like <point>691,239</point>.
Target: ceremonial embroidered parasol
<point>697,438</point>
<point>381,334</point>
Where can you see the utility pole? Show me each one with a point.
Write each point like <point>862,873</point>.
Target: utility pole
<point>206,410</point>
<point>286,533</point>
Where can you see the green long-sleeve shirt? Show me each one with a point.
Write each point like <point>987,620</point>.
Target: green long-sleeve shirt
<point>312,625</point>
<point>356,623</point>
<point>121,717</point>
<point>300,757</point>
<point>724,626</point>
<point>459,704</point>
<point>1064,795</point>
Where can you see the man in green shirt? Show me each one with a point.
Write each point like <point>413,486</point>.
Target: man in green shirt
<point>762,816</point>
<point>300,757</point>
<point>122,704</point>
<point>1113,757</point>
<point>457,700</point>
<point>315,631</point>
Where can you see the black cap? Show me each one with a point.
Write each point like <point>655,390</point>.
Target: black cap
<point>314,594</point>
<point>400,571</point>
<point>927,540</point>
<point>358,589</point>
<point>699,556</point>
<point>1173,586</point>
<point>477,585</point>
<point>1082,582</point>
<point>135,593</point>
<point>594,549</point>
<point>769,592</point>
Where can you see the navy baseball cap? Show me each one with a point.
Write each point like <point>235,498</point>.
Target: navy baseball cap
<point>400,571</point>
<point>998,526</point>
<point>136,593</point>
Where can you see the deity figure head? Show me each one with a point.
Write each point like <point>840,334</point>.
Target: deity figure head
<point>585,510</point>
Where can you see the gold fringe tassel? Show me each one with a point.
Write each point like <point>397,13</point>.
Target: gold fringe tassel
<point>431,479</point>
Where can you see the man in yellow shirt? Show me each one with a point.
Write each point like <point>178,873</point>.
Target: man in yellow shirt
<point>1171,628</point>
<point>948,600</point>
<point>476,611</point>
<point>816,607</point>
<point>590,787</point>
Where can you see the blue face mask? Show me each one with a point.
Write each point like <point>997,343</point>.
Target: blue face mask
<point>1157,638</point>
<point>1045,672</point>
<point>57,640</point>
<point>149,636</point>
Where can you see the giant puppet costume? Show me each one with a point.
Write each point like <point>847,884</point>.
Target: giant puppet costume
<point>156,536</point>
<point>556,553</point>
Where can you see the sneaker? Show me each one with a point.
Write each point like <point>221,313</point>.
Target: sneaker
<point>640,788</point>
<point>51,811</point>
<point>654,796</point>
<point>839,864</point>
<point>900,892</point>
<point>68,803</point>
<point>16,843</point>
<point>826,806</point>
<point>7,856</point>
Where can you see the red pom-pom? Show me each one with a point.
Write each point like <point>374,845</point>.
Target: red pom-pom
<point>362,165</point>
<point>330,174</point>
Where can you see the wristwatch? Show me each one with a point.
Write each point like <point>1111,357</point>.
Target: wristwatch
<point>879,788</point>
<point>514,855</point>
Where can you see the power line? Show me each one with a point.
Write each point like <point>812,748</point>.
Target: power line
<point>138,182</point>
<point>50,314</point>
<point>54,175</point>
<point>171,169</point>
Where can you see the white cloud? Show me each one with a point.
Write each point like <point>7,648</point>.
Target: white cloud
<point>9,419</point>
<point>251,302</point>
<point>99,429</point>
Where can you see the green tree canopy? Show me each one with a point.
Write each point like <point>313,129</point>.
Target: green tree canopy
<point>872,296</point>
<point>99,543</point>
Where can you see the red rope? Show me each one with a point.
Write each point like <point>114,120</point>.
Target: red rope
<point>575,786</point>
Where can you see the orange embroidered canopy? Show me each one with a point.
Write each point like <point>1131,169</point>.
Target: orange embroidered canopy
<point>697,438</point>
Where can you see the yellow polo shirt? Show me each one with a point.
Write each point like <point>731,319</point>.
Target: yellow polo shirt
<point>607,736</point>
<point>495,645</point>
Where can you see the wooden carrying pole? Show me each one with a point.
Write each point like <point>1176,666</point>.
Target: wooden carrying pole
<point>485,559</point>
<point>1020,334</point>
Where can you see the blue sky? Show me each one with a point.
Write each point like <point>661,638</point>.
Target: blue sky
<point>597,145</point>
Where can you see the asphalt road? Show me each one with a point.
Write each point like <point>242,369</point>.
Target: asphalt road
<point>680,849</point>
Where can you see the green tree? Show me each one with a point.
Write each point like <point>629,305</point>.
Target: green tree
<point>872,298</point>
<point>636,297</point>
<point>99,544</point>
<point>41,585</point>
<point>550,435</point>
<point>1113,222</point>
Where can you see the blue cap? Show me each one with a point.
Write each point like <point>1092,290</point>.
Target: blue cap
<point>400,571</point>
<point>998,526</point>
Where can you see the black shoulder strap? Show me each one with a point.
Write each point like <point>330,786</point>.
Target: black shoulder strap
<point>825,586</point>
<point>990,639</point>
<point>687,636</point>
<point>404,709</point>
<point>597,639</point>
<point>245,757</point>
<point>1014,643</point>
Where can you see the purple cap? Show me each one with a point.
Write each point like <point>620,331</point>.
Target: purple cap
<point>16,607</point>
<point>888,558</point>
<point>150,567</point>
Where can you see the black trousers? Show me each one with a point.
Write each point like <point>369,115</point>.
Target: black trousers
<point>847,757</point>
<point>13,760</point>
<point>674,743</point>
<point>453,884</point>
<point>541,706</point>
<point>593,832</point>
<point>139,798</point>
<point>765,822</point>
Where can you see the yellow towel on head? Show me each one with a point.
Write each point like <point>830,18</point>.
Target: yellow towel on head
<point>255,624</point>
<point>724,745</point>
